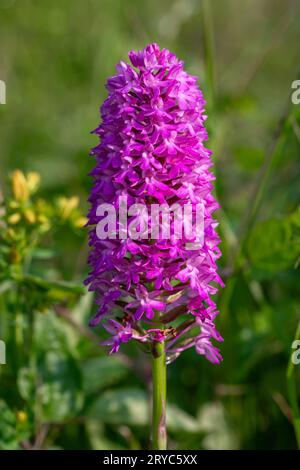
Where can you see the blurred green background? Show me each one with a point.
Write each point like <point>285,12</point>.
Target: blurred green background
<point>58,389</point>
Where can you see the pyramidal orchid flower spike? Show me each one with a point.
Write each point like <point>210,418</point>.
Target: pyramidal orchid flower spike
<point>155,292</point>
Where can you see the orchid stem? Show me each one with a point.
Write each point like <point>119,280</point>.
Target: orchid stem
<point>159,383</point>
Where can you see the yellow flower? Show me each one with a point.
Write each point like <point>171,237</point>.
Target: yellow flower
<point>29,216</point>
<point>11,233</point>
<point>44,222</point>
<point>42,219</point>
<point>67,205</point>
<point>23,186</point>
<point>33,181</point>
<point>19,186</point>
<point>80,222</point>
<point>14,218</point>
<point>22,417</point>
<point>13,204</point>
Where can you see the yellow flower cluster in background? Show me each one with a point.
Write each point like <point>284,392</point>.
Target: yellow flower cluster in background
<point>25,216</point>
<point>68,210</point>
<point>24,186</point>
<point>22,207</point>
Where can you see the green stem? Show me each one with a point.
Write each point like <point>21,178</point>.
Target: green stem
<point>209,50</point>
<point>159,382</point>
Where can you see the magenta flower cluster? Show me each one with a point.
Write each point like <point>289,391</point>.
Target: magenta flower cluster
<point>152,150</point>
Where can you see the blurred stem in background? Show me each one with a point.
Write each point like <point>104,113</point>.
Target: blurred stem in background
<point>209,52</point>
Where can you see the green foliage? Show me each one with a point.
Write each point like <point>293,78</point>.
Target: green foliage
<point>130,406</point>
<point>274,245</point>
<point>58,389</point>
<point>12,430</point>
<point>125,406</point>
<point>102,372</point>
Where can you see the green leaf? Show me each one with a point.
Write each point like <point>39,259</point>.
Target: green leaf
<point>11,432</point>
<point>179,420</point>
<point>42,253</point>
<point>81,312</point>
<point>131,406</point>
<point>5,286</point>
<point>213,423</point>
<point>250,159</point>
<point>127,406</point>
<point>56,334</point>
<point>101,372</point>
<point>272,245</point>
<point>96,433</point>
<point>60,394</point>
<point>8,438</point>
<point>60,287</point>
<point>26,383</point>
